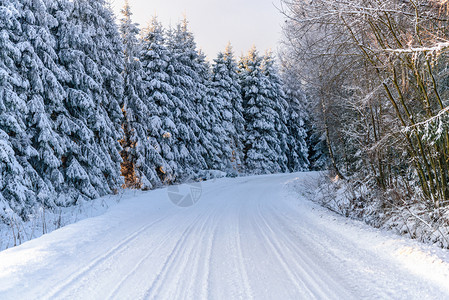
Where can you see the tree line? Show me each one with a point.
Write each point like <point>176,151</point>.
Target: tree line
<point>89,105</point>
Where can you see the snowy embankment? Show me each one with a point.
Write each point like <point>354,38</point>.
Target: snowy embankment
<point>245,238</point>
<point>42,221</point>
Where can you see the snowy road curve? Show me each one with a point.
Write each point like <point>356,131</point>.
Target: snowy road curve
<point>247,238</point>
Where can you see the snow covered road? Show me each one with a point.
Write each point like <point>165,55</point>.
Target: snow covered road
<point>247,238</point>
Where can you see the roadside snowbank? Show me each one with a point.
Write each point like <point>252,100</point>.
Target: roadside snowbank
<point>43,221</point>
<point>392,212</point>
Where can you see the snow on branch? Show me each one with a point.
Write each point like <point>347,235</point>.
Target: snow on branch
<point>423,123</point>
<point>439,47</point>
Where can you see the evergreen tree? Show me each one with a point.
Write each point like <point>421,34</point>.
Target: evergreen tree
<point>317,149</point>
<point>184,80</point>
<point>261,116</point>
<point>44,97</point>
<point>298,154</point>
<point>16,194</point>
<point>74,86</point>
<point>275,93</point>
<point>90,51</point>
<point>213,138</point>
<point>16,189</point>
<point>307,146</point>
<point>141,160</point>
<point>227,89</point>
<point>157,65</point>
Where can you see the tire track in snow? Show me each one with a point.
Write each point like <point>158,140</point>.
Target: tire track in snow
<point>354,270</point>
<point>342,254</point>
<point>121,246</point>
<point>169,263</point>
<point>133,271</point>
<point>242,269</point>
<point>200,252</point>
<point>193,250</point>
<point>298,282</point>
<point>210,236</point>
<point>205,293</point>
<point>321,278</point>
<point>241,241</point>
<point>325,240</point>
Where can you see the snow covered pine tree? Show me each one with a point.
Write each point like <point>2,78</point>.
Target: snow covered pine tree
<point>156,62</point>
<point>261,112</point>
<point>184,79</point>
<point>90,51</point>
<point>142,162</point>
<point>226,86</point>
<point>16,190</point>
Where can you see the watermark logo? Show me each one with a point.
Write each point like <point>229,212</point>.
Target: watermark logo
<point>185,195</point>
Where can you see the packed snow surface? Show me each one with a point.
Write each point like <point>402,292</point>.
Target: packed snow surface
<point>246,238</point>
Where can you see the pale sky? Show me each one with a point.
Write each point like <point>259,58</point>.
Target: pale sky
<point>216,22</point>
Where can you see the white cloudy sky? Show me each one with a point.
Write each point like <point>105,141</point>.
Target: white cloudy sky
<point>215,22</point>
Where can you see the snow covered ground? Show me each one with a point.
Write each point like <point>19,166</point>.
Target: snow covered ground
<point>246,238</point>
<point>43,221</point>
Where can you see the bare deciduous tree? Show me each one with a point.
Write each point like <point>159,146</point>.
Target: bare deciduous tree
<point>378,74</point>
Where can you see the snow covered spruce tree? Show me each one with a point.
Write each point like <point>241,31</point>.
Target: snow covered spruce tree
<point>16,190</point>
<point>210,104</point>
<point>184,80</point>
<point>90,51</point>
<point>302,118</point>
<point>142,163</point>
<point>298,153</point>
<point>157,62</point>
<point>275,93</point>
<point>260,110</point>
<point>226,86</point>
<point>45,96</point>
<point>17,194</point>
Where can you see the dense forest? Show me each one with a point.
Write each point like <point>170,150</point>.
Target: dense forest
<point>90,104</point>
<point>376,76</point>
